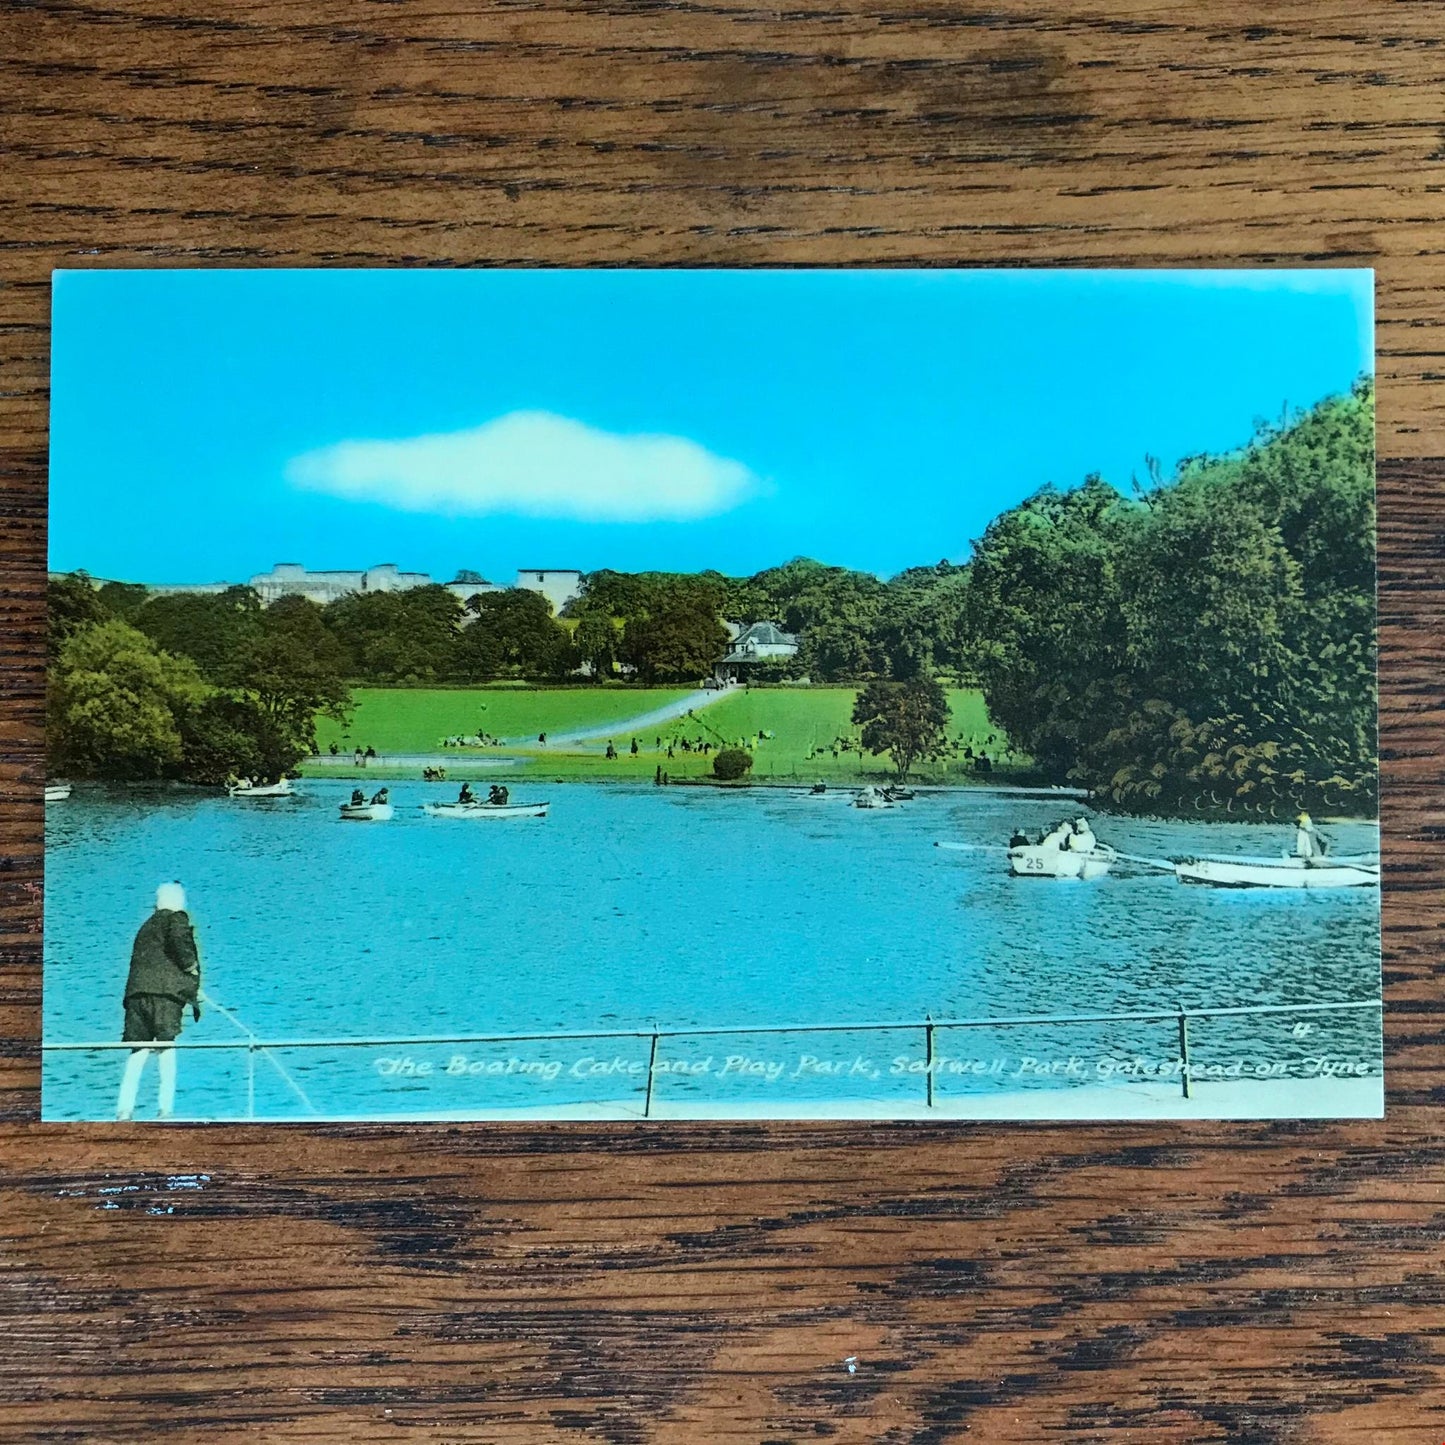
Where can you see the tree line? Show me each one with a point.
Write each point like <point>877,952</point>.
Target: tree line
<point>1206,644</point>
<point>152,698</point>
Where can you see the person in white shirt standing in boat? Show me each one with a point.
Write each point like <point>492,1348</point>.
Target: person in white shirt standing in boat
<point>1309,842</point>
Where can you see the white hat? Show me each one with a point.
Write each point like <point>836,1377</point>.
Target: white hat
<point>171,896</point>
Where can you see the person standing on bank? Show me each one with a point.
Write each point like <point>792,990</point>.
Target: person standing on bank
<point>165,976</point>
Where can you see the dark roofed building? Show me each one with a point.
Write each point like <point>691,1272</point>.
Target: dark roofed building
<point>759,642</point>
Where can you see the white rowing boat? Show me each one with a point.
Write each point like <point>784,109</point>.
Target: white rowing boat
<point>486,810</point>
<point>1357,871</point>
<point>1048,860</point>
<point>367,812</point>
<point>283,789</point>
<point>56,792</point>
<point>872,797</point>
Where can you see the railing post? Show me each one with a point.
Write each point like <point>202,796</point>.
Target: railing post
<point>251,1080</point>
<point>928,1054</point>
<point>651,1074</point>
<point>1184,1048</point>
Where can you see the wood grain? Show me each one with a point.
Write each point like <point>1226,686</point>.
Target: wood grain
<point>1191,1283</point>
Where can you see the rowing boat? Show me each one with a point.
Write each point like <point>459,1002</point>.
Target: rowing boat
<point>283,789</point>
<point>1048,860</point>
<point>872,797</point>
<point>1357,871</point>
<point>56,792</point>
<point>486,810</point>
<point>366,812</point>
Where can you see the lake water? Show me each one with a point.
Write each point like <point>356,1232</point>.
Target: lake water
<point>630,908</point>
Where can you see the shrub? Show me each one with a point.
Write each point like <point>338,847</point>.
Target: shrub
<point>731,763</point>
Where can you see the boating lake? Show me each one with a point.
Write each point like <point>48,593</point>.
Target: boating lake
<point>631,908</point>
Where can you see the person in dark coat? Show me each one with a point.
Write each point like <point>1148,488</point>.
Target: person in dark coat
<point>164,977</point>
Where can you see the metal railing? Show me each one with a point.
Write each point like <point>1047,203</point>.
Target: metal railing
<point>1180,1016</point>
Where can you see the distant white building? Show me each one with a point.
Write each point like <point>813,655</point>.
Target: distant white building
<point>559,585</point>
<point>291,579</point>
<point>466,585</point>
<point>760,642</point>
<point>173,589</point>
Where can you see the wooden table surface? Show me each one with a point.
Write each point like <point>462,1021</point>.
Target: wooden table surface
<point>683,1283</point>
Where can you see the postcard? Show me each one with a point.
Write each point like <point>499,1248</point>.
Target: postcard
<point>665,695</point>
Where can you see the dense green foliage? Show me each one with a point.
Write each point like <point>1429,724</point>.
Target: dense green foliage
<point>677,639</point>
<point>1208,645</point>
<point>202,687</point>
<point>116,704</point>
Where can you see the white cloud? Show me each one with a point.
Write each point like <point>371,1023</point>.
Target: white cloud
<point>534,464</point>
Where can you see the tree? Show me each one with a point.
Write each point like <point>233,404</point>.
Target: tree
<point>71,603</point>
<point>679,640</point>
<point>116,703</point>
<point>226,735</point>
<point>1210,645</point>
<point>408,636</point>
<point>123,599</point>
<point>292,670</point>
<point>213,630</point>
<point>731,764</point>
<point>514,635</point>
<point>598,641</point>
<point>907,719</point>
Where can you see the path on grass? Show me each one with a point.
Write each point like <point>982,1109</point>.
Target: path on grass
<point>625,727</point>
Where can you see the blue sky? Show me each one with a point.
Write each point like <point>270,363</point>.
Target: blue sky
<point>206,424</point>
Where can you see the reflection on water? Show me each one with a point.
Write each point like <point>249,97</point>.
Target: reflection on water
<point>634,908</point>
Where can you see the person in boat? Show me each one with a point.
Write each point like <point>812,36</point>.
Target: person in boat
<point>1018,839</point>
<point>820,786</point>
<point>1309,843</point>
<point>1081,837</point>
<point>357,798</point>
<point>381,796</point>
<point>164,977</point>
<point>497,795</point>
<point>466,795</point>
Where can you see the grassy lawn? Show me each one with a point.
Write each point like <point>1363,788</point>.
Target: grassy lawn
<point>415,720</point>
<point>805,724</point>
